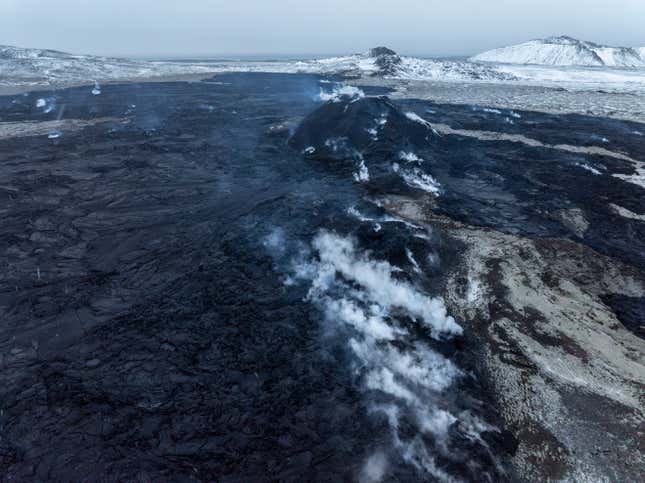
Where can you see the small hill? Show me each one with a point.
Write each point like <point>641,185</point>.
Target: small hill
<point>564,51</point>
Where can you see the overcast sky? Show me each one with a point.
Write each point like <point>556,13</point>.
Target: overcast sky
<point>237,27</point>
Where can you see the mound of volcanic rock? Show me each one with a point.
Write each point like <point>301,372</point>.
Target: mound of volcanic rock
<point>388,61</point>
<point>365,139</point>
<point>364,123</point>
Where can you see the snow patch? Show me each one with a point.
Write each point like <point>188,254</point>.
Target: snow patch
<point>589,168</point>
<point>412,116</point>
<point>384,219</point>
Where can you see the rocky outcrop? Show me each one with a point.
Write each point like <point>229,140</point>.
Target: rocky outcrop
<point>388,61</point>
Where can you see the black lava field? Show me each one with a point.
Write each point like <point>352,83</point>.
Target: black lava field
<point>202,285</point>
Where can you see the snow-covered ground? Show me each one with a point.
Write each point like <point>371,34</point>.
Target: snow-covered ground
<point>578,77</point>
<point>46,68</point>
<point>35,67</point>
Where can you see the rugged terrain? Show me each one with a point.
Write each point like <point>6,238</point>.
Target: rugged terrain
<point>232,280</point>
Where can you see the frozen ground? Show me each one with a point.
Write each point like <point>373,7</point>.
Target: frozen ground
<point>594,101</point>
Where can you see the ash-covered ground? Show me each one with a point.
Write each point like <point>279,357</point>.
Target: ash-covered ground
<point>274,277</point>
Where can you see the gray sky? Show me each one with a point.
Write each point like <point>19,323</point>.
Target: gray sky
<point>237,27</point>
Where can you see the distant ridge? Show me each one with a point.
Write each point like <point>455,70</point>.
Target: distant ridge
<point>564,51</point>
<point>9,52</point>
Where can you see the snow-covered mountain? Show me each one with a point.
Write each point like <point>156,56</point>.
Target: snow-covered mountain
<point>562,51</point>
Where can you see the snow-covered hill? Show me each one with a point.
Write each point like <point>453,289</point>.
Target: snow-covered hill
<point>562,51</point>
<point>39,67</point>
<point>15,53</point>
<point>22,69</point>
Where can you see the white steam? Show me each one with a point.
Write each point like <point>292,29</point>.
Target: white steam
<point>409,157</point>
<point>362,175</point>
<point>374,468</point>
<point>589,168</point>
<point>340,92</point>
<point>407,382</point>
<point>340,145</point>
<point>339,255</point>
<point>418,179</point>
<point>412,116</point>
<point>97,89</point>
<point>353,211</point>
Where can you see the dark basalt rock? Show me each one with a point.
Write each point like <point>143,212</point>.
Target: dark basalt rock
<point>629,310</point>
<point>147,331</point>
<point>379,51</point>
<point>387,60</point>
<point>355,121</point>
